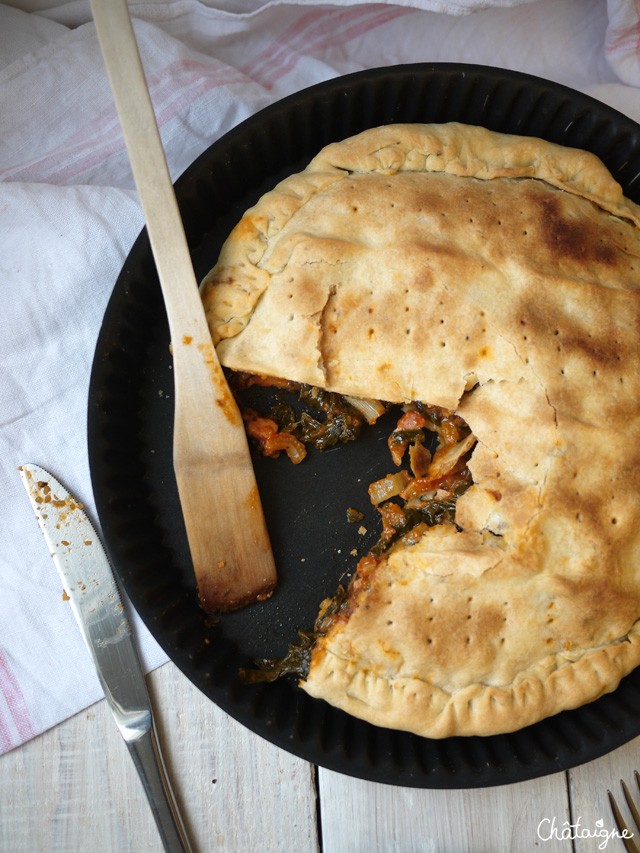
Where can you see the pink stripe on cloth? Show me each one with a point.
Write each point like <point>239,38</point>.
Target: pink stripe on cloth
<point>16,705</point>
<point>289,37</point>
<point>177,100</point>
<point>172,89</point>
<point>627,37</point>
<point>7,742</point>
<point>314,32</point>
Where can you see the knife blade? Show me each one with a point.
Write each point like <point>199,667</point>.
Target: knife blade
<point>97,605</point>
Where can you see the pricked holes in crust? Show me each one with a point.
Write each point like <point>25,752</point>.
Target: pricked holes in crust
<point>505,619</point>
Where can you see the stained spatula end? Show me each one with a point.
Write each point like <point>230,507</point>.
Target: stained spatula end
<point>229,584</point>
<point>218,590</point>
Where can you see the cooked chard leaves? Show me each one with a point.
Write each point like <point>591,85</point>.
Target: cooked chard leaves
<point>295,662</point>
<point>297,659</point>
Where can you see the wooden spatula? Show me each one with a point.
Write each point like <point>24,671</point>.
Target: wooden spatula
<point>223,516</point>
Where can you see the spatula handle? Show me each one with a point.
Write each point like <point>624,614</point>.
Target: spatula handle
<point>148,163</point>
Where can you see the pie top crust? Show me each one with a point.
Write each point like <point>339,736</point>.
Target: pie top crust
<point>496,276</point>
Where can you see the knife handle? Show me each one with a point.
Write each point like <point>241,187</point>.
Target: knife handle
<point>147,757</point>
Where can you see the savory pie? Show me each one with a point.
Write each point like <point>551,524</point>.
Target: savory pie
<point>495,278</point>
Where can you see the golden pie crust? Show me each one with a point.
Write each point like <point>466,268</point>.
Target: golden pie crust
<point>496,276</point>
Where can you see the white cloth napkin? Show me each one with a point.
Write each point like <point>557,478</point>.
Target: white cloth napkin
<point>69,214</point>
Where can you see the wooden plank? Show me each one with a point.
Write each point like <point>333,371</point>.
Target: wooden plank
<point>365,817</point>
<point>590,806</point>
<point>75,787</point>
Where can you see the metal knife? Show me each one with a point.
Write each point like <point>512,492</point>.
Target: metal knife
<point>96,603</point>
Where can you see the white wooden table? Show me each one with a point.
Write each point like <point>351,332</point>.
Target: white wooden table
<point>75,789</point>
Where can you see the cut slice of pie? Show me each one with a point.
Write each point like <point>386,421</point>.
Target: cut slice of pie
<point>497,277</point>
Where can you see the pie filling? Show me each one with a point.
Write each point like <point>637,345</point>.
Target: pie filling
<point>429,446</point>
